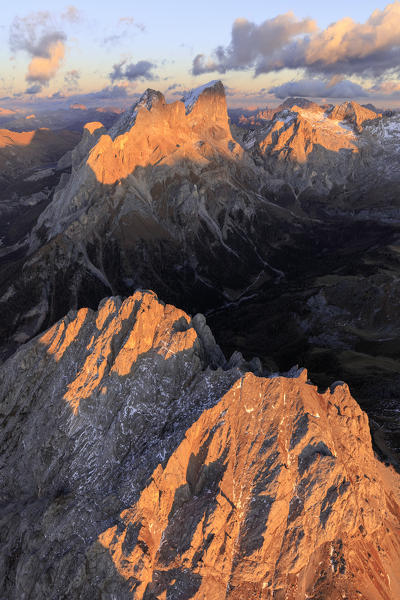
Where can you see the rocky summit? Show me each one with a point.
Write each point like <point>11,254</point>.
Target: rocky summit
<point>138,462</point>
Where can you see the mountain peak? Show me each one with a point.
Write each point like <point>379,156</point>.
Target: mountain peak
<point>93,126</point>
<point>300,102</point>
<point>354,113</point>
<point>154,132</point>
<point>149,99</point>
<point>191,97</point>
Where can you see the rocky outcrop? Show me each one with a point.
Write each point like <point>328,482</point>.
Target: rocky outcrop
<point>295,135</point>
<point>353,113</point>
<point>299,103</point>
<point>274,493</point>
<point>139,463</point>
<point>88,410</point>
<point>257,118</point>
<point>91,133</point>
<point>156,133</point>
<point>305,148</point>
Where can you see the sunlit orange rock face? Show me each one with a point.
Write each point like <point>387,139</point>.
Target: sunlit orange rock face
<point>296,136</point>
<point>163,134</point>
<point>146,322</point>
<point>93,126</point>
<point>353,113</point>
<point>15,138</point>
<point>140,464</point>
<point>273,493</point>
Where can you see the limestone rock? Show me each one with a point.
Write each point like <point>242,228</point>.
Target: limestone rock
<point>353,113</point>
<point>73,158</point>
<point>139,463</point>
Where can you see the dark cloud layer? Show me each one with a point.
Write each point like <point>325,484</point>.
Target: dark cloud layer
<point>133,71</point>
<point>345,47</point>
<point>250,42</point>
<point>71,79</point>
<point>317,88</point>
<point>173,86</point>
<point>33,89</point>
<point>110,92</point>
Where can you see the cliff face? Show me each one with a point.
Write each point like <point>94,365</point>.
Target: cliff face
<point>274,493</point>
<point>319,148</point>
<point>354,114</point>
<point>139,463</point>
<point>294,136</point>
<point>157,133</point>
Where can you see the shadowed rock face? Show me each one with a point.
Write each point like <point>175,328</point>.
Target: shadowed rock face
<point>23,152</point>
<point>291,245</point>
<point>157,469</point>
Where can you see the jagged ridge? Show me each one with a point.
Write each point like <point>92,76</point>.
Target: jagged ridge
<point>158,469</point>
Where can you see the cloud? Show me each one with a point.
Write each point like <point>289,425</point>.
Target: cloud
<point>387,89</point>
<point>34,89</point>
<point>110,92</point>
<point>126,20</point>
<point>37,35</point>
<point>116,95</point>
<point>72,14</point>
<point>124,30</point>
<point>180,93</point>
<point>57,96</point>
<point>71,79</point>
<point>250,42</point>
<point>131,21</point>
<point>345,47</point>
<point>173,86</point>
<point>132,71</point>
<point>42,68</point>
<point>237,92</point>
<point>318,88</point>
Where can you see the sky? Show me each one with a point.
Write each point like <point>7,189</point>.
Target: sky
<point>54,53</point>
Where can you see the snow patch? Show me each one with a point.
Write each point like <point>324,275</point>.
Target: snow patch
<point>128,119</point>
<point>190,98</point>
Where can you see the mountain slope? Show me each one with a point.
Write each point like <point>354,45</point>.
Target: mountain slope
<point>165,199</point>
<point>158,469</point>
<point>353,113</point>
